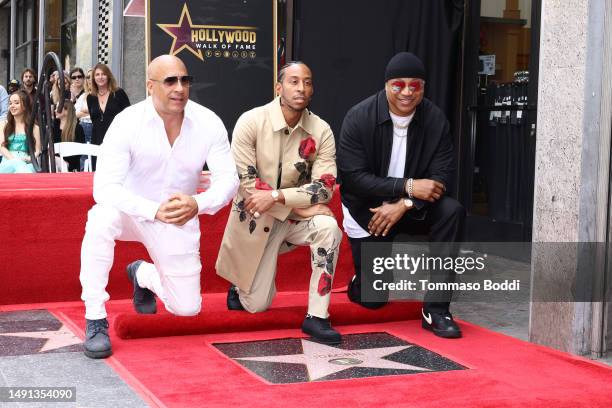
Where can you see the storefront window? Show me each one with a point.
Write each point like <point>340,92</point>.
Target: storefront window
<point>26,35</point>
<point>68,32</point>
<point>53,10</point>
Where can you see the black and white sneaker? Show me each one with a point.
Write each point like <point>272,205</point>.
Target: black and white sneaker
<point>441,324</point>
<point>143,299</point>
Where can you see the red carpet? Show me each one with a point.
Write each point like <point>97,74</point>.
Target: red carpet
<point>41,235</point>
<point>44,222</point>
<point>343,312</point>
<point>187,371</point>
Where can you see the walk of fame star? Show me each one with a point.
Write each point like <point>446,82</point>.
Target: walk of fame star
<point>56,339</point>
<point>322,360</point>
<point>181,33</point>
<point>294,360</point>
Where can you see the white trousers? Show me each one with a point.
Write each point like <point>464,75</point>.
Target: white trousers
<point>174,275</point>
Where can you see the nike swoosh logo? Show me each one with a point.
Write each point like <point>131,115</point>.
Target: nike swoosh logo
<point>427,318</point>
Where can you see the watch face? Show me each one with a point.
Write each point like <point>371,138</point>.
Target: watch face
<point>274,194</point>
<point>408,202</point>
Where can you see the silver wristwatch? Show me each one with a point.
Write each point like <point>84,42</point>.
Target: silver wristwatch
<point>275,194</point>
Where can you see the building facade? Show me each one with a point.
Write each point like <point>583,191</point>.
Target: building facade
<point>570,64</point>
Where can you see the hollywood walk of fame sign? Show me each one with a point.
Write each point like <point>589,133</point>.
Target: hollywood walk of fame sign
<point>358,356</point>
<point>229,46</point>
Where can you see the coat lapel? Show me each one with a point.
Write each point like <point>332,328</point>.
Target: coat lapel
<point>386,132</point>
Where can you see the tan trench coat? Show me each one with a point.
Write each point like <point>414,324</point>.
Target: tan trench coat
<point>261,140</point>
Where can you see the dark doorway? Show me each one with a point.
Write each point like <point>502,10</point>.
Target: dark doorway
<point>347,44</point>
<point>497,151</point>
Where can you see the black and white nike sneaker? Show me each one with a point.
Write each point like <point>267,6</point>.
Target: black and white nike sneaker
<point>441,324</point>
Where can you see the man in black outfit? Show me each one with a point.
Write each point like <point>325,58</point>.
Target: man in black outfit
<point>396,161</point>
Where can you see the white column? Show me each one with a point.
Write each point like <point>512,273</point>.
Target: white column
<point>13,42</point>
<point>41,34</point>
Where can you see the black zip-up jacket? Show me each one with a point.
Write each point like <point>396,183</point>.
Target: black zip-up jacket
<point>364,154</point>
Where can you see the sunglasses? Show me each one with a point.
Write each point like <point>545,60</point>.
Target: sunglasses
<point>76,77</point>
<point>413,86</point>
<point>186,80</point>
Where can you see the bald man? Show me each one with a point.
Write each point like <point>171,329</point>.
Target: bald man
<point>145,190</point>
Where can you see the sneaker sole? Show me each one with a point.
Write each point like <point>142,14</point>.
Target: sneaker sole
<point>439,333</point>
<point>326,342</point>
<point>98,354</point>
<point>323,341</point>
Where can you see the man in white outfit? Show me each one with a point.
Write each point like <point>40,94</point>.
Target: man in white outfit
<point>145,190</point>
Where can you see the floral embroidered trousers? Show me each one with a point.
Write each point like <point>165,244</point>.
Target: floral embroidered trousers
<point>323,236</point>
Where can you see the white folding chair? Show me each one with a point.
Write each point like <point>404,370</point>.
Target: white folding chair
<point>66,149</point>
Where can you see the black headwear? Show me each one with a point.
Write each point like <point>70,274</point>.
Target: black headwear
<point>405,65</point>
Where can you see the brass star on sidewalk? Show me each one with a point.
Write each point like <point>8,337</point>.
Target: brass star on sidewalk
<point>322,360</point>
<point>56,339</point>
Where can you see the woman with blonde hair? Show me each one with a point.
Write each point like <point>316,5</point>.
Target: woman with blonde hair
<point>15,136</point>
<point>84,119</point>
<point>68,129</point>
<point>104,102</point>
<point>56,92</point>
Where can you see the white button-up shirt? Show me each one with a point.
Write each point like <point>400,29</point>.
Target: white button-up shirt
<point>138,169</point>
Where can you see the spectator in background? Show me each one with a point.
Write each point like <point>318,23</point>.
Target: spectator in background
<point>57,93</point>
<point>53,78</point>
<point>67,129</point>
<point>105,101</point>
<point>13,86</point>
<point>77,83</point>
<point>28,83</point>
<point>81,102</point>
<point>14,136</point>
<point>3,103</point>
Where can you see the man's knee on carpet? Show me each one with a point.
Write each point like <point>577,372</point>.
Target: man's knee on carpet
<point>184,306</point>
<point>253,304</point>
<point>180,279</point>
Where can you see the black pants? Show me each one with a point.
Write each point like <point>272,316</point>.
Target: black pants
<point>443,224</point>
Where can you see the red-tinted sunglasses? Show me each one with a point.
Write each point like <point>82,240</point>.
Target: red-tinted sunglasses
<point>413,86</point>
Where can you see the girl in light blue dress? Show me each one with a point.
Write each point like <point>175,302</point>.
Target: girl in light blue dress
<point>14,136</point>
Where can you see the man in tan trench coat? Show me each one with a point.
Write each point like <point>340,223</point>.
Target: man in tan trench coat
<point>286,161</point>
